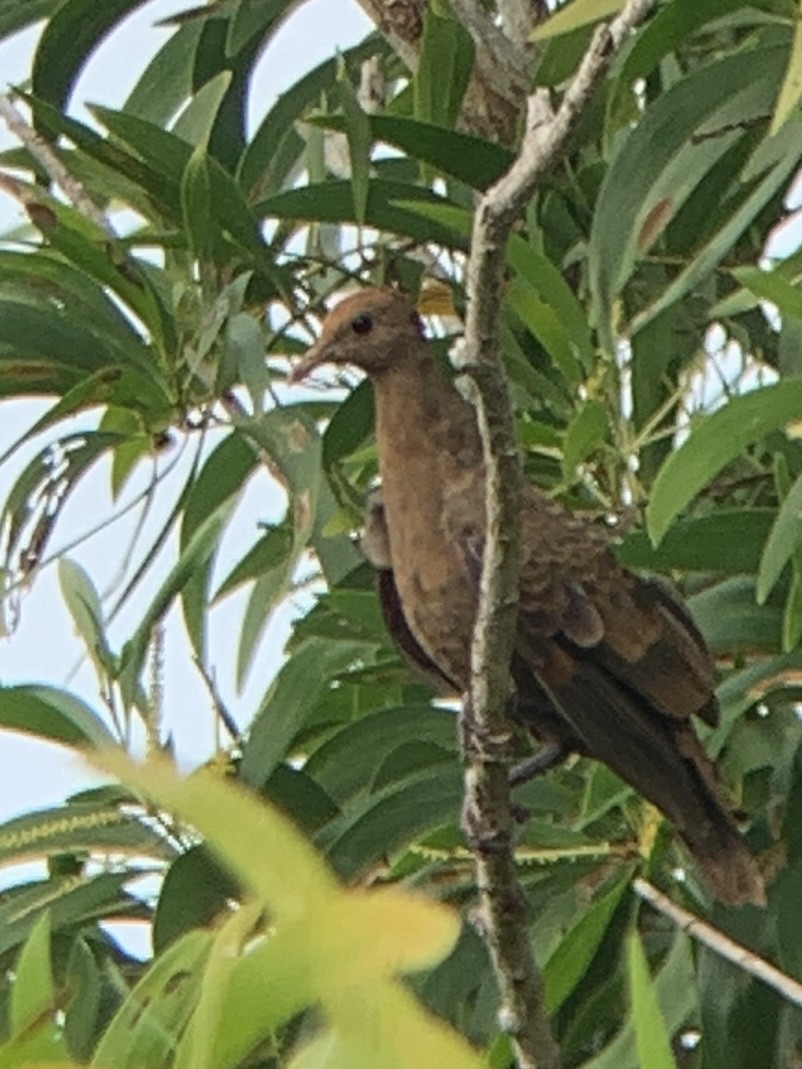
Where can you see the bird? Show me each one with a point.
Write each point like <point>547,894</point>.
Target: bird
<point>374,543</point>
<point>607,664</point>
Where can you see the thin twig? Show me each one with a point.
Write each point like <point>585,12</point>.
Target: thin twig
<point>487,801</point>
<point>719,943</point>
<point>221,710</point>
<point>52,165</point>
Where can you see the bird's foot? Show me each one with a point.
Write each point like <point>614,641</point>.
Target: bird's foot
<point>544,760</point>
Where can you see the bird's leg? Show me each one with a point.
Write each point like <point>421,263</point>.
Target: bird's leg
<point>547,757</point>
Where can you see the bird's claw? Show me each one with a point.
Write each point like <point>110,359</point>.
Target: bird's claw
<point>543,760</point>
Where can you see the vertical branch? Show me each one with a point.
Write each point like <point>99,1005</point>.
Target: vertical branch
<point>487,802</point>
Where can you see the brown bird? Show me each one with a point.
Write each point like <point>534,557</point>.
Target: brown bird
<point>374,541</point>
<point>606,664</point>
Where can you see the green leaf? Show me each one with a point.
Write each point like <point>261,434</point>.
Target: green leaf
<point>389,819</point>
<point>70,901</point>
<point>572,958</point>
<point>195,890</point>
<point>729,541</point>
<point>69,38</point>
<point>350,426</point>
<point>469,159</point>
<point>251,19</point>
<point>675,986</point>
<point>357,130</point>
<point>245,355</point>
<point>771,286</point>
<point>550,285</point>
<point>169,156</point>
<point>167,81</point>
<point>43,277</point>
<point>545,325</point>
<point>539,295</point>
<point>731,620</point>
<point>220,480</point>
<point>584,434</point>
<point>15,16</point>
<point>262,167</point>
<point>103,387</point>
<point>245,833</point>
<point>651,1037</point>
<point>376,737</point>
<point>290,700</point>
<point>87,613</point>
<point>268,591</point>
<point>52,714</point>
<point>785,536</point>
<point>197,553</point>
<point>678,140</point>
<point>670,27</point>
<point>146,1028</point>
<point>714,443</point>
<point>79,828</point>
<point>333,202</point>
<point>82,987</point>
<point>272,551</point>
<point>444,69</point>
<point>195,124</point>
<point>196,203</point>
<point>792,614</point>
<point>725,237</point>
<point>573,16</point>
<point>126,455</point>
<point>33,993</point>
<point>791,90</point>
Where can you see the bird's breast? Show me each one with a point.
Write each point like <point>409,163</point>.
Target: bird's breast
<point>436,590</point>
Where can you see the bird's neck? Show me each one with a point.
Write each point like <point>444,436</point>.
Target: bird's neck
<point>430,459</point>
<point>423,425</point>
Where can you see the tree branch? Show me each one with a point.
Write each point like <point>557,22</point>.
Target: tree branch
<point>487,800</point>
<point>497,91</point>
<point>720,943</point>
<point>46,157</point>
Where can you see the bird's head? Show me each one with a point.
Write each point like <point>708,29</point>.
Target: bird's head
<point>372,330</point>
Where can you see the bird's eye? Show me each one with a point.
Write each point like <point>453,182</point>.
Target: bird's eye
<point>362,324</point>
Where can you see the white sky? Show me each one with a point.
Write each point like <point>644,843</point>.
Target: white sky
<point>43,648</point>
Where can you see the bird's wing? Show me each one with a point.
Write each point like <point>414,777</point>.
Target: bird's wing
<point>635,630</point>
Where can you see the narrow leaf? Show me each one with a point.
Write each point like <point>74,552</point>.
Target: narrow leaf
<point>444,69</point>
<point>782,542</point>
<point>52,714</point>
<point>651,1038</point>
<point>33,992</point>
<point>574,16</point>
<point>714,443</point>
<point>572,958</point>
<point>791,89</point>
<point>360,140</point>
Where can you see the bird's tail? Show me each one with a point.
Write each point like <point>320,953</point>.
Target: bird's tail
<point>663,759</point>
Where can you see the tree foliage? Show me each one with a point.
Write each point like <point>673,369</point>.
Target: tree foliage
<point>652,334</point>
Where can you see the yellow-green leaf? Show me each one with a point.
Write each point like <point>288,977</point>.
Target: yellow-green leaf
<point>573,16</point>
<point>791,89</point>
<point>244,832</point>
<point>33,993</point>
<point>651,1038</point>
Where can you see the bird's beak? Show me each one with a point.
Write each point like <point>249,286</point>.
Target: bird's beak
<point>314,357</point>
